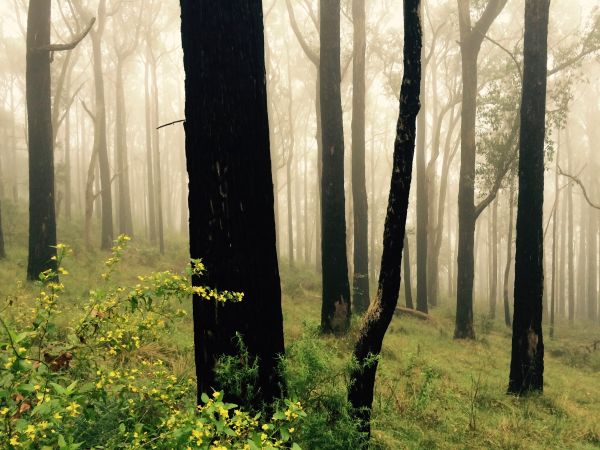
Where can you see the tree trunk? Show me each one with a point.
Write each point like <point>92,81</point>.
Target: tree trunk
<point>494,256</point>
<point>570,243</point>
<point>124,196</point>
<point>421,204</point>
<point>232,224</point>
<point>407,277</point>
<point>471,38</point>
<point>592,255</point>
<point>100,131</point>
<point>360,281</point>
<point>2,249</point>
<point>381,310</point>
<point>581,266</point>
<point>149,157</point>
<point>509,239</point>
<point>553,278</point>
<point>527,360</point>
<point>156,155</point>
<point>42,219</point>
<point>335,311</point>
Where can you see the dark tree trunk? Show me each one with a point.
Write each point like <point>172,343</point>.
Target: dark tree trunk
<point>42,219</point>
<point>232,224</point>
<point>471,38</point>
<point>407,277</point>
<point>381,310</point>
<point>360,280</point>
<point>509,239</point>
<point>527,362</point>
<point>335,311</point>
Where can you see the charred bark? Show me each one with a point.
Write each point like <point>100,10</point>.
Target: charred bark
<point>232,224</point>
<point>527,361</point>
<point>381,310</point>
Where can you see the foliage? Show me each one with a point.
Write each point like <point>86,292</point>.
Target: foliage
<point>93,383</point>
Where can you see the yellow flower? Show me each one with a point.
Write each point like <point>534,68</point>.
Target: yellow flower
<point>265,427</point>
<point>14,441</point>
<point>30,429</point>
<point>4,411</point>
<point>263,437</point>
<point>291,430</point>
<point>72,409</point>
<point>21,350</point>
<point>57,416</point>
<point>216,394</point>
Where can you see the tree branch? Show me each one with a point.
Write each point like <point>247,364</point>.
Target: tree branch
<point>310,53</point>
<point>579,183</point>
<point>70,45</point>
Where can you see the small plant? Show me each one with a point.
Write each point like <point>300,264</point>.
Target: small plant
<point>87,383</point>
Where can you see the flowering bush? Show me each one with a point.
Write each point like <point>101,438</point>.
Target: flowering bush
<point>87,384</point>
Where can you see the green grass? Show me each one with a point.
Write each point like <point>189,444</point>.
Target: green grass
<point>431,391</point>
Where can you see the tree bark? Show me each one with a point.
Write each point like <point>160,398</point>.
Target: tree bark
<point>42,218</point>
<point>335,311</point>
<point>360,281</point>
<point>232,224</point>
<point>527,359</point>
<point>381,310</point>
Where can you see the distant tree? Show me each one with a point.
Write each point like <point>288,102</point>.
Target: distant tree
<point>2,249</point>
<point>360,279</point>
<point>42,214</point>
<point>335,311</point>
<point>471,38</point>
<point>381,310</point>
<point>527,360</point>
<point>232,224</point>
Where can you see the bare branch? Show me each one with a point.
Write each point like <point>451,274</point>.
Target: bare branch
<point>579,183</point>
<point>70,45</point>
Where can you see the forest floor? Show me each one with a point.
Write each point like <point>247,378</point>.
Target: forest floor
<point>431,392</point>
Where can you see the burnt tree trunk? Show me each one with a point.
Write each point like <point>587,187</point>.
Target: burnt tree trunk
<point>232,223</point>
<point>335,311</point>
<point>381,310</point>
<point>42,218</point>
<point>360,279</point>
<point>527,361</point>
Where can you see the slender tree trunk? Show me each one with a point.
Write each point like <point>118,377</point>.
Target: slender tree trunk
<point>42,219</point>
<point>471,38</point>
<point>156,155</point>
<point>124,196</point>
<point>335,312</point>
<point>2,249</point>
<point>290,212</point>
<point>527,360</point>
<point>494,257</point>
<point>592,265</point>
<point>554,286</point>
<point>381,310</point>
<point>509,246</point>
<point>422,204</point>
<point>360,284</point>
<point>581,266</point>
<point>570,242</point>
<point>407,277</point>
<point>237,240</point>
<point>149,157</point>
<point>67,180</point>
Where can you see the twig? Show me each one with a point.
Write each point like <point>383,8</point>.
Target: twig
<point>170,123</point>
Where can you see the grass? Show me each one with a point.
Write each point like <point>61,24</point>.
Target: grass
<point>431,391</point>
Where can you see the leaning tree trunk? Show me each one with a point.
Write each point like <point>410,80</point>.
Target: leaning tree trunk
<point>360,279</point>
<point>527,361</point>
<point>335,311</point>
<point>381,310</point>
<point>232,223</point>
<point>42,219</point>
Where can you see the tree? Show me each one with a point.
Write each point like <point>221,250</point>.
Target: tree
<point>471,37</point>
<point>360,279</point>
<point>381,310</point>
<point>232,223</point>
<point>335,311</point>
<point>42,214</point>
<point>527,359</point>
